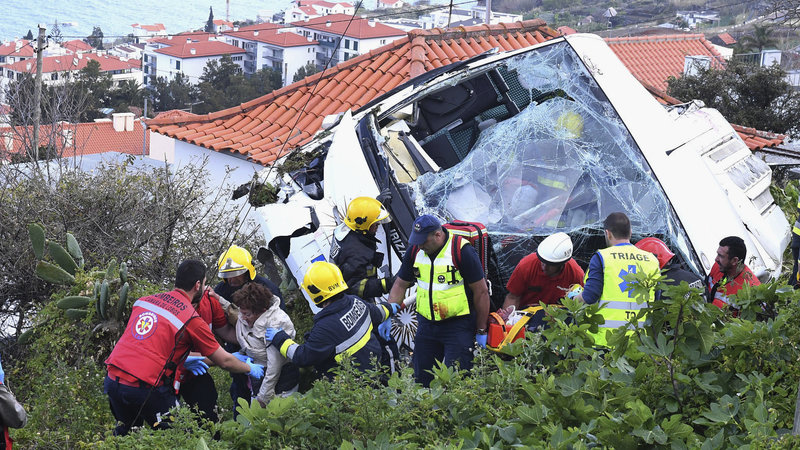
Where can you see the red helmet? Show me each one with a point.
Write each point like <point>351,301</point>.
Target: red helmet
<point>657,247</point>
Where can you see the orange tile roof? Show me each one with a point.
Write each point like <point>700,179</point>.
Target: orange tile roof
<point>342,25</point>
<point>77,45</point>
<point>10,48</point>
<point>199,49</point>
<point>196,36</point>
<point>68,63</point>
<point>152,28</point>
<point>565,30</point>
<point>269,125</point>
<point>88,138</point>
<point>653,59</point>
<point>726,38</point>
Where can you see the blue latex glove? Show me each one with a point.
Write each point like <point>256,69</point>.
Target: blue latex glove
<point>240,356</point>
<point>481,338</point>
<point>385,329</point>
<point>256,370</point>
<point>395,307</point>
<point>195,365</point>
<point>574,291</point>
<point>2,374</point>
<point>269,335</point>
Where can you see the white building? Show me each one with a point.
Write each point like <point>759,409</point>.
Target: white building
<point>357,36</point>
<point>324,8</point>
<point>388,4</point>
<point>187,54</point>
<point>269,46</point>
<point>144,32</point>
<point>18,50</point>
<point>300,13</point>
<point>130,51</point>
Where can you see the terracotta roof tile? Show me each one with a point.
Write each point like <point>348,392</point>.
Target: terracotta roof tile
<point>653,59</point>
<point>264,125</point>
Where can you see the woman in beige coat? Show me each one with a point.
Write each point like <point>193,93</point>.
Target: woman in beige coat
<point>259,310</point>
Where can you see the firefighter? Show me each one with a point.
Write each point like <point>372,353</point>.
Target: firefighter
<point>794,278</point>
<point>235,268</point>
<point>344,326</point>
<point>452,297</point>
<point>670,268</point>
<point>12,414</point>
<point>355,252</point>
<point>161,330</point>
<point>604,280</point>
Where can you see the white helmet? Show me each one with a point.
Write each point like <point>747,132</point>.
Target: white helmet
<point>555,249</point>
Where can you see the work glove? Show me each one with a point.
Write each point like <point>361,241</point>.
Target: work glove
<point>385,329</point>
<point>481,339</point>
<point>269,335</point>
<point>574,291</point>
<point>195,365</point>
<point>239,356</point>
<point>395,307</point>
<point>256,370</point>
<point>2,374</point>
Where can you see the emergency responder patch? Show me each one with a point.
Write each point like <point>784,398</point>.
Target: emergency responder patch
<point>144,326</point>
<point>441,279</point>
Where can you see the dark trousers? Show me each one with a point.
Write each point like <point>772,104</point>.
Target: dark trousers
<point>451,341</point>
<point>134,406</point>
<point>795,255</point>
<point>199,392</point>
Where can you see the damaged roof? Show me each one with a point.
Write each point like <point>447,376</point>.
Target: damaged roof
<point>261,128</point>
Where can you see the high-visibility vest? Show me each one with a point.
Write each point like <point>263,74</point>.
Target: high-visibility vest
<point>440,286</point>
<point>620,306</point>
<point>796,227</point>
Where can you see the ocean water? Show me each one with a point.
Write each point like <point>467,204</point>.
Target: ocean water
<point>115,17</point>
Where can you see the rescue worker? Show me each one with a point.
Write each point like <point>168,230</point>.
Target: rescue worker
<point>729,273</point>
<point>235,268</point>
<point>193,382</point>
<point>669,268</point>
<point>161,331</point>
<point>604,280</point>
<point>794,278</point>
<point>544,276</point>
<point>355,251</point>
<point>12,414</point>
<point>344,326</point>
<point>452,297</point>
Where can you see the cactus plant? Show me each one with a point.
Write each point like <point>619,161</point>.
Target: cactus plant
<point>62,257</point>
<point>53,274</point>
<point>76,314</point>
<point>103,300</point>
<point>25,337</point>
<point>123,272</point>
<point>123,300</point>
<point>74,249</point>
<point>73,302</point>
<point>36,232</point>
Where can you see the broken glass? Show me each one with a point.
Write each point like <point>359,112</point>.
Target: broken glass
<point>562,163</point>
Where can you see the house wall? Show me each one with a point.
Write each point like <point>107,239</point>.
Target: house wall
<point>294,58</point>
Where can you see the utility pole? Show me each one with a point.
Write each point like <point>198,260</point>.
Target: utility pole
<point>227,10</point>
<point>144,127</point>
<point>488,12</point>
<point>37,92</point>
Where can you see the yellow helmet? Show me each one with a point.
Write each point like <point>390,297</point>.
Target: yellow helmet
<point>322,281</point>
<point>234,262</point>
<point>363,212</point>
<point>570,123</point>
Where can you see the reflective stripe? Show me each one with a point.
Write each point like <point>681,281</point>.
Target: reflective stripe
<point>623,305</point>
<point>172,318</point>
<point>421,284</point>
<point>288,348</point>
<point>353,340</point>
<point>619,323</point>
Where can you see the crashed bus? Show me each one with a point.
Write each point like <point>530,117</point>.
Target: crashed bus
<point>549,138</point>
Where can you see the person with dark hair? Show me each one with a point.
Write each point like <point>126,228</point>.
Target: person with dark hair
<point>343,327</point>
<point>12,414</point>
<point>161,331</point>
<point>259,309</point>
<point>604,280</point>
<point>729,273</point>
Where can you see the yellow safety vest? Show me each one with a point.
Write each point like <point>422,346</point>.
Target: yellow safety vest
<point>440,286</point>
<point>619,261</point>
<point>796,227</point>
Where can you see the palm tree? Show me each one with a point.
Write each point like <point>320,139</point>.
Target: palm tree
<point>760,39</point>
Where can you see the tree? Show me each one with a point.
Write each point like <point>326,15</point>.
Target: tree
<point>305,71</point>
<point>97,86</point>
<point>29,36</point>
<point>760,39</point>
<point>745,94</point>
<point>55,33</point>
<point>173,94</point>
<point>96,38</point>
<point>210,22</point>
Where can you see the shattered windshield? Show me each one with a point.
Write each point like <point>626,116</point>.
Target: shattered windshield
<point>562,161</point>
